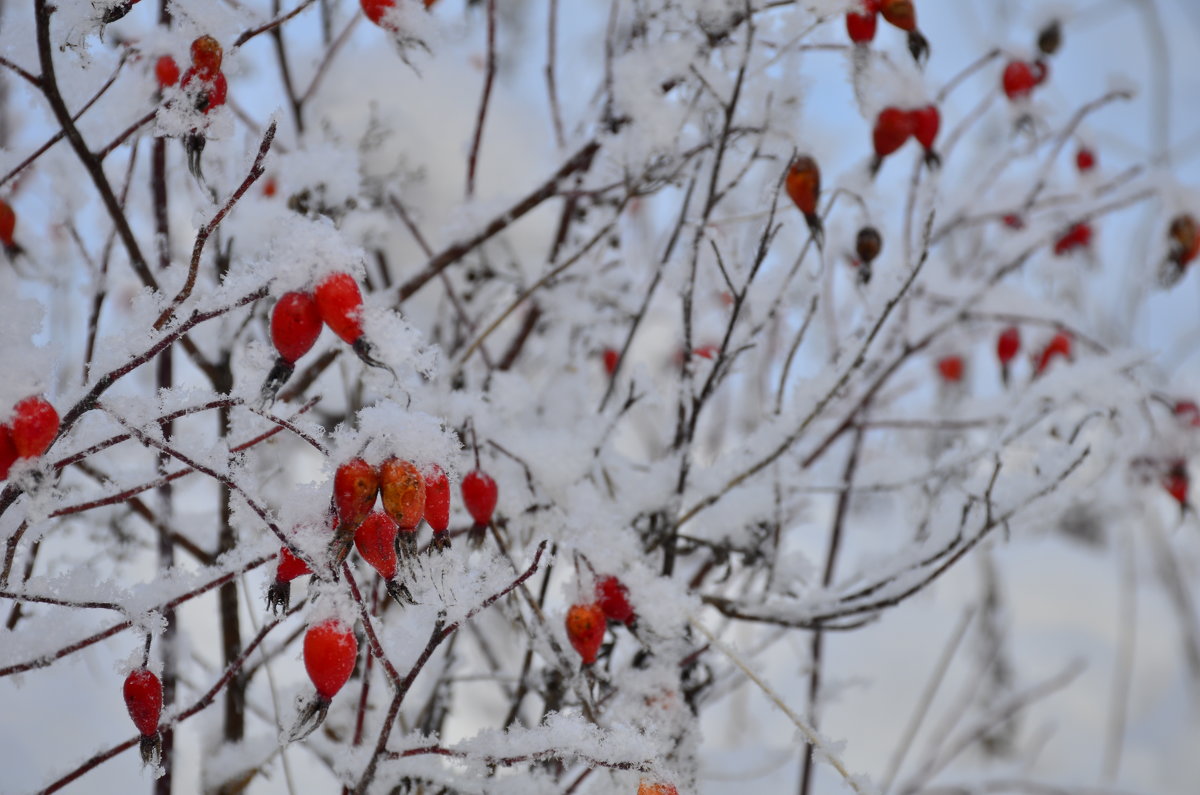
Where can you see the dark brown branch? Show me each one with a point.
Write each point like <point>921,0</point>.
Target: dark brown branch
<point>202,236</point>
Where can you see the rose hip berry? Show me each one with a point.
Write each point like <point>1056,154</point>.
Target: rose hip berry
<point>1059,345</point>
<point>355,484</point>
<point>8,225</point>
<point>611,358</point>
<point>340,305</point>
<point>647,787</point>
<point>8,451</point>
<point>289,567</point>
<point>585,630</point>
<point>1085,159</point>
<point>803,185</point>
<point>903,15</point>
<point>893,127</point>
<point>144,699</point>
<point>34,425</point>
<point>375,540</point>
<point>479,496</point>
<point>951,369</point>
<point>613,598</point>
<point>437,505</point>
<point>166,71</point>
<point>867,245</point>
<point>861,25</point>
<point>926,122</point>
<point>295,325</point>
<point>1077,236</point>
<point>330,650</point>
<point>1176,482</point>
<point>1020,78</point>
<point>402,490</point>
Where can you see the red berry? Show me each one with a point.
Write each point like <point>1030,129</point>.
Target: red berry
<point>613,598</point>
<point>1183,239</point>
<point>210,89</point>
<point>1085,159</point>
<point>1007,344</point>
<point>646,787</point>
<point>1013,221</point>
<point>8,451</point>
<point>402,490</point>
<point>8,223</point>
<point>143,699</point>
<point>289,567</point>
<point>706,351</point>
<point>330,650</point>
<point>1060,345</point>
<point>892,128</point>
<point>925,124</point>
<point>354,487</point>
<point>340,304</point>
<point>861,27</point>
<point>206,55</point>
<point>900,13</point>
<point>951,368</point>
<point>376,542</point>
<point>167,71</point>
<point>585,630</point>
<point>295,325</point>
<point>479,495</point>
<point>1176,482</point>
<point>611,359</point>
<point>1188,412</point>
<point>1078,236</point>
<point>1020,78</point>
<point>376,9</point>
<point>34,425</point>
<point>270,187</point>
<point>437,499</point>
<point>803,185</point>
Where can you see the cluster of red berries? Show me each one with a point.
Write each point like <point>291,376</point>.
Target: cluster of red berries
<point>204,84</point>
<point>861,25</point>
<point>298,317</point>
<point>586,622</point>
<point>28,433</point>
<point>894,126</point>
<point>951,368</point>
<point>385,537</point>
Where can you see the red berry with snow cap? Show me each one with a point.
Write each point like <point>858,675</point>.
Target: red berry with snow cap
<point>1059,345</point>
<point>295,325</point>
<point>340,304</point>
<point>613,598</point>
<point>34,425</point>
<point>437,505</point>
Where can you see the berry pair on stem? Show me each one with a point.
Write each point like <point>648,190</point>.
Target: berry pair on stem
<point>586,623</point>
<point>298,317</point>
<point>894,126</point>
<point>28,433</point>
<point>861,25</point>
